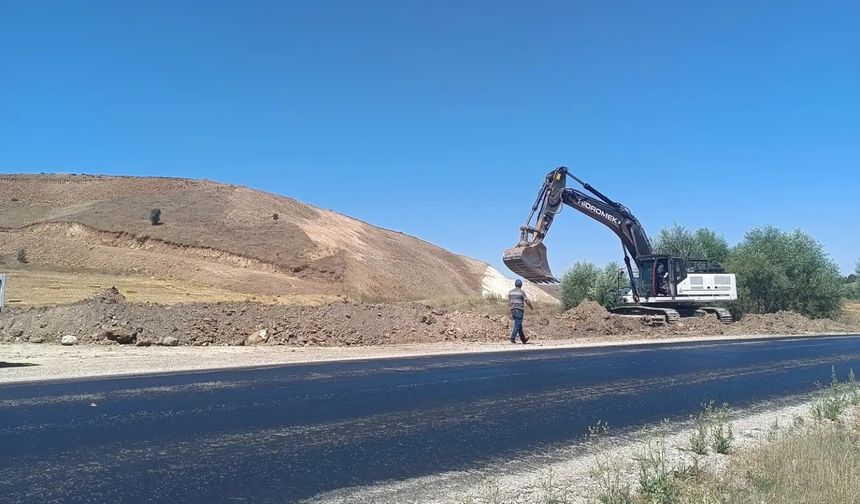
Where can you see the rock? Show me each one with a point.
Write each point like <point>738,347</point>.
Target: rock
<point>170,341</point>
<point>17,333</point>
<point>258,338</point>
<point>143,343</point>
<point>36,339</point>
<point>121,335</point>
<point>69,340</point>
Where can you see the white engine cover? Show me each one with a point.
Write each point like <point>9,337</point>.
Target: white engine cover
<point>704,287</point>
<point>721,286</point>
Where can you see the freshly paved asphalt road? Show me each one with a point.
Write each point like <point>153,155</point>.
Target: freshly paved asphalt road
<point>288,433</point>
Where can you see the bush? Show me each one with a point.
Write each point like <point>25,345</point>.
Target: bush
<point>714,247</point>
<point>857,281</point>
<point>679,241</point>
<point>155,216</point>
<point>777,271</point>
<point>586,280</point>
<point>704,243</point>
<point>22,256</point>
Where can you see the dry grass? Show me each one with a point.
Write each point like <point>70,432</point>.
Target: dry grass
<point>851,314</point>
<point>818,465</point>
<point>40,288</point>
<point>813,462</point>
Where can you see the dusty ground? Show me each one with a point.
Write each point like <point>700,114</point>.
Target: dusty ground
<point>109,319</point>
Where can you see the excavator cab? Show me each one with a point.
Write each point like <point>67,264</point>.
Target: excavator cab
<point>659,275</point>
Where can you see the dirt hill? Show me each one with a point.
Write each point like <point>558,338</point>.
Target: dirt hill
<point>224,238</point>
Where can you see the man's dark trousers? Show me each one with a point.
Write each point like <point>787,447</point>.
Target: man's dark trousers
<point>517,315</point>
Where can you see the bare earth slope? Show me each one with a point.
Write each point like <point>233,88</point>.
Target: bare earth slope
<point>217,235</point>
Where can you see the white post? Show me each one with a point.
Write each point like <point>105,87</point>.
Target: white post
<point>2,290</point>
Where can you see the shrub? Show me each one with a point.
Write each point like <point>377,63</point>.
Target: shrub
<point>777,270</point>
<point>155,216</point>
<point>586,280</point>
<point>704,243</point>
<point>722,435</point>
<point>714,247</point>
<point>657,478</point>
<point>275,216</point>
<point>22,256</point>
<point>837,397</point>
<point>576,283</point>
<point>679,241</point>
<point>857,281</point>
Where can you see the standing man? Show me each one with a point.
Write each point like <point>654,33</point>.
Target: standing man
<point>518,301</point>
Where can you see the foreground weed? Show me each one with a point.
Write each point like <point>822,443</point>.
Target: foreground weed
<point>699,438</point>
<point>722,435</point>
<point>598,429</point>
<point>711,429</point>
<point>552,492</point>
<point>612,486</point>
<point>837,397</point>
<point>657,478</point>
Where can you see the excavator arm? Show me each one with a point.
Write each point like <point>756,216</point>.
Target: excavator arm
<point>528,258</point>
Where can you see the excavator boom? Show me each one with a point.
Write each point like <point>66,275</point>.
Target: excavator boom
<point>529,257</point>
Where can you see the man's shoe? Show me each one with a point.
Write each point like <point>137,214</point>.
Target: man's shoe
<point>525,340</point>
<point>513,342</point>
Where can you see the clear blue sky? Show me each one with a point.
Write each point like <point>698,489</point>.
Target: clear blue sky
<point>440,118</point>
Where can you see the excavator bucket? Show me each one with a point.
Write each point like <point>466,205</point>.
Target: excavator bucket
<point>529,262</point>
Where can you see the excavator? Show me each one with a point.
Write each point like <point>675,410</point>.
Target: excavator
<point>662,288</point>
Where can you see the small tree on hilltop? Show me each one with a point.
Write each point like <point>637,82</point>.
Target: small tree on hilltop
<point>155,216</point>
<point>22,256</point>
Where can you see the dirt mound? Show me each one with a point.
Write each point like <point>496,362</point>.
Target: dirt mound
<point>218,235</point>
<point>590,318</point>
<point>785,322</point>
<point>106,319</point>
<point>109,296</point>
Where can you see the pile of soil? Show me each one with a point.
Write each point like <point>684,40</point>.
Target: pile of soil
<point>785,322</point>
<point>590,317</point>
<point>109,319</point>
<point>109,296</point>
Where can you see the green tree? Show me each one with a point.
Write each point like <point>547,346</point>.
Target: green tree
<point>714,247</point>
<point>857,282</point>
<point>586,280</point>
<point>576,283</point>
<point>778,270</point>
<point>704,243</point>
<point>609,281</point>
<point>679,241</point>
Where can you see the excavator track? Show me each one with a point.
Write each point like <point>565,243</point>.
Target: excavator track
<point>670,315</point>
<point>723,314</point>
